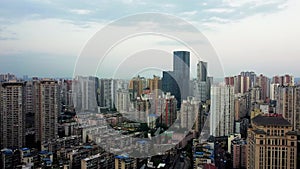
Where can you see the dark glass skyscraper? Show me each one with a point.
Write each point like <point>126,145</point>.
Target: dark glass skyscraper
<point>177,81</point>
<point>202,71</point>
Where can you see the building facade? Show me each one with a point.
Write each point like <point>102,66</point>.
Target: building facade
<point>222,110</point>
<point>271,143</point>
<point>12,114</point>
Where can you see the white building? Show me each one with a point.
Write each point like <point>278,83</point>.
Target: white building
<point>222,110</point>
<point>189,113</point>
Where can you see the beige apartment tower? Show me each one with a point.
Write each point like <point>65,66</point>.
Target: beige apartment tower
<point>47,110</point>
<point>12,114</point>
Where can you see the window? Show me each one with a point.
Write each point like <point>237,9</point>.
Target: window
<point>261,142</point>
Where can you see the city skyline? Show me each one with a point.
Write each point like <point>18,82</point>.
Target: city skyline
<point>54,33</point>
<point>134,84</point>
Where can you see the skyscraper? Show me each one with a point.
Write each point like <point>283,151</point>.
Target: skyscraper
<point>190,114</point>
<point>166,107</point>
<point>106,93</point>
<point>264,82</point>
<point>136,86</point>
<point>239,153</point>
<point>84,93</point>
<point>47,110</point>
<point>181,63</point>
<point>177,81</point>
<point>288,99</point>
<point>202,71</point>
<point>123,100</point>
<point>12,114</point>
<point>155,85</point>
<point>222,110</point>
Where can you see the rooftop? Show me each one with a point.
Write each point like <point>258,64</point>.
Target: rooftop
<point>259,131</point>
<point>270,121</point>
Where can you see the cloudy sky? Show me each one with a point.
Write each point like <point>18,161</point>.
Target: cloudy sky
<point>45,37</point>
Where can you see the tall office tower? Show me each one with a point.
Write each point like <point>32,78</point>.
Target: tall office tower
<point>190,114</point>
<point>169,84</point>
<point>202,71</point>
<point>12,114</point>
<point>178,81</point>
<point>271,143</point>
<point>203,84</point>
<point>106,94</point>
<point>181,63</point>
<point>222,110</point>
<point>210,82</point>
<point>47,110</point>
<point>288,99</point>
<point>264,82</point>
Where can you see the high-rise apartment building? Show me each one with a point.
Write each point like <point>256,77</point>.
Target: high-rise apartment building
<point>123,100</point>
<point>136,86</point>
<point>124,162</point>
<point>7,77</point>
<point>165,106</point>
<point>200,89</point>
<point>288,99</point>
<point>242,83</point>
<point>155,85</point>
<point>189,111</point>
<point>66,94</point>
<point>271,143</point>
<point>47,109</point>
<point>105,96</point>
<point>85,93</point>
<point>222,110</point>
<point>252,77</point>
<point>286,80</point>
<point>263,82</point>
<point>12,114</point>
<point>239,154</point>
